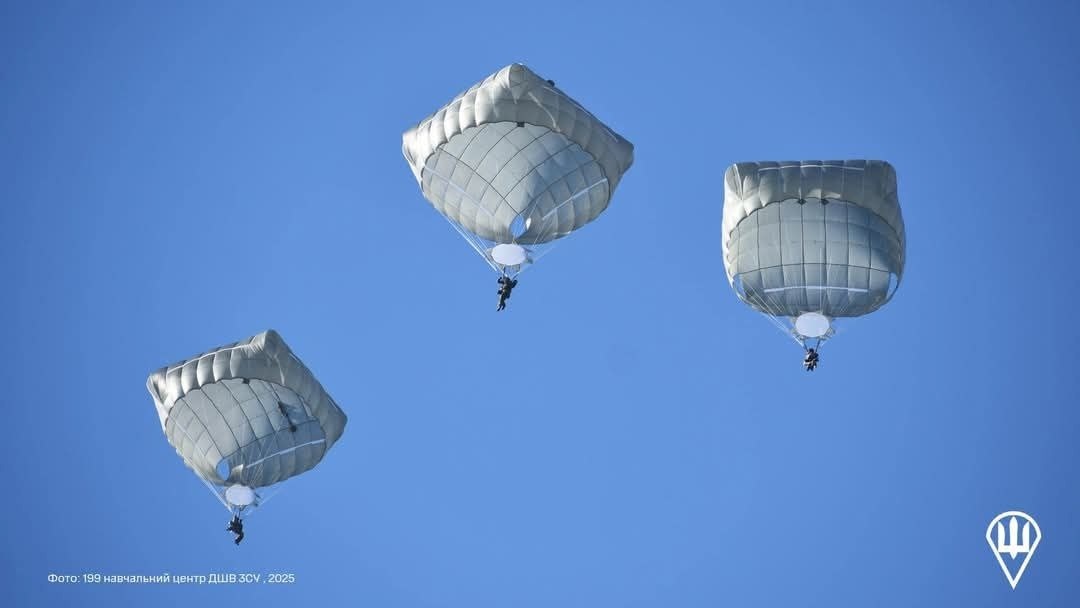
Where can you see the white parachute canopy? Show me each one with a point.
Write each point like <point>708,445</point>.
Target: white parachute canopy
<point>246,416</point>
<point>812,325</point>
<point>515,161</point>
<point>239,495</point>
<point>807,242</point>
<point>509,254</point>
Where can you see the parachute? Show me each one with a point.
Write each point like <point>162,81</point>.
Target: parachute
<point>808,242</point>
<point>245,417</point>
<point>513,164</point>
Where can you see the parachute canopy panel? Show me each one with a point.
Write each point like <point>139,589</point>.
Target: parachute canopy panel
<point>248,413</point>
<point>513,150</point>
<point>813,236</point>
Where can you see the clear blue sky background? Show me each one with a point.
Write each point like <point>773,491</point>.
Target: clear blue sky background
<point>181,175</point>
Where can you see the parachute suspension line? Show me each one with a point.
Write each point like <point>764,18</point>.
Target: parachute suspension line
<point>774,313</point>
<point>548,227</point>
<point>274,491</point>
<point>771,316</point>
<point>774,316</point>
<point>260,500</point>
<point>779,325</point>
<point>221,499</point>
<point>759,300</point>
<point>465,234</point>
<point>477,247</point>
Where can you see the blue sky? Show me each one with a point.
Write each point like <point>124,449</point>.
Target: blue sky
<point>179,176</point>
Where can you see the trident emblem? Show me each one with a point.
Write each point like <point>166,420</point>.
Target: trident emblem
<point>1012,540</point>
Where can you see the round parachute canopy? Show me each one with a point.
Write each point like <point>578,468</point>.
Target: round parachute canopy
<point>509,254</point>
<point>812,325</point>
<point>239,496</point>
<point>822,237</point>
<point>248,414</point>
<point>515,160</point>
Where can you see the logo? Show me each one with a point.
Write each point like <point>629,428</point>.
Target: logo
<point>1009,541</point>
